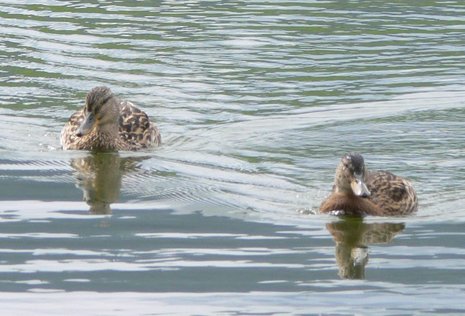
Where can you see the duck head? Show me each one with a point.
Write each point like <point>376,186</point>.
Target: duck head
<point>350,176</point>
<point>101,110</point>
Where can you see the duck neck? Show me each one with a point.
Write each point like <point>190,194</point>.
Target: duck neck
<point>342,186</point>
<point>106,137</point>
<point>108,130</point>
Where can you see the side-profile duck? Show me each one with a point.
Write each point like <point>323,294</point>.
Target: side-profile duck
<point>358,192</point>
<point>107,123</point>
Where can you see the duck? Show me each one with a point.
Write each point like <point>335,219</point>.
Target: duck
<point>107,123</point>
<point>359,192</point>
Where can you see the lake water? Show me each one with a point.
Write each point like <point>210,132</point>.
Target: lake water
<point>256,102</point>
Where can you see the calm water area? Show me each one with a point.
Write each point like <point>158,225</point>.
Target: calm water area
<point>256,102</point>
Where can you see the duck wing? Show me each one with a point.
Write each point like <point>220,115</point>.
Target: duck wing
<point>135,127</point>
<point>394,194</point>
<point>68,136</point>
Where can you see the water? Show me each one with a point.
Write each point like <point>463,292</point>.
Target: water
<point>256,102</point>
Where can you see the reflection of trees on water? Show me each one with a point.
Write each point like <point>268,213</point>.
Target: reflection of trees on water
<point>352,237</point>
<point>99,176</point>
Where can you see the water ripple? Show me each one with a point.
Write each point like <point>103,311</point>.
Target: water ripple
<point>256,102</point>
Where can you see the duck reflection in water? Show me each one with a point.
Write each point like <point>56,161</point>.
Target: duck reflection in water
<point>99,176</point>
<point>352,237</point>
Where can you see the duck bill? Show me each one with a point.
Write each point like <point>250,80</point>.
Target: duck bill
<point>86,125</point>
<point>359,187</point>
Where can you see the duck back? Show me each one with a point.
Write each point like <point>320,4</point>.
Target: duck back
<point>393,194</point>
<point>135,128</point>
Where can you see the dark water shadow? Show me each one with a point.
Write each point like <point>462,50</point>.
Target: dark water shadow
<point>352,237</point>
<point>99,176</point>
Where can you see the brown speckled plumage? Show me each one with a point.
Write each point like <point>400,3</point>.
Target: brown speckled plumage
<point>109,124</point>
<point>357,191</point>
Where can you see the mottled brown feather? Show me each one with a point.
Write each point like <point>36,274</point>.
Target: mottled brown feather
<point>393,194</point>
<point>136,129</point>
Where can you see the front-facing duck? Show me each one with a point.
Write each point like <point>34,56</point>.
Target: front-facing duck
<point>107,123</point>
<point>357,191</point>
